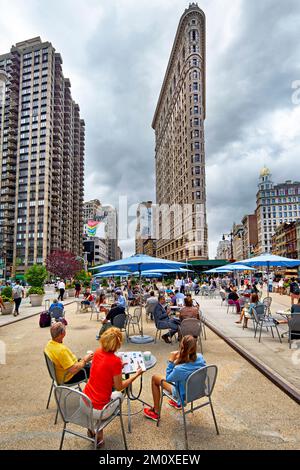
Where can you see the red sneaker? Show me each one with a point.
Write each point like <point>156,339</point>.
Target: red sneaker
<point>174,404</point>
<point>150,414</point>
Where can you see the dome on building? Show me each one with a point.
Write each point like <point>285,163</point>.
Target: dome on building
<point>265,171</point>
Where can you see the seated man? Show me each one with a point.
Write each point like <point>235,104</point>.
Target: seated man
<point>179,298</point>
<point>68,368</point>
<point>118,308</point>
<point>56,310</point>
<point>162,320</point>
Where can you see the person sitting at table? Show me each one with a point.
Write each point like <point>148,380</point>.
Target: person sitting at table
<point>233,299</point>
<point>254,302</point>
<point>106,376</point>
<point>163,321</point>
<point>100,302</point>
<point>296,308</point>
<point>173,299</point>
<point>181,365</point>
<point>87,299</point>
<point>68,368</point>
<point>179,298</point>
<point>118,308</point>
<point>188,311</point>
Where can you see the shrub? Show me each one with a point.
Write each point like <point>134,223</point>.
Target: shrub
<point>36,291</point>
<point>6,294</point>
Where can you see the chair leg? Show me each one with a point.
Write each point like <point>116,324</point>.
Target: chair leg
<point>214,416</point>
<point>204,331</point>
<point>160,406</point>
<point>260,332</point>
<point>200,341</point>
<point>278,334</point>
<point>52,385</point>
<point>123,430</point>
<point>271,328</point>
<point>56,416</point>
<point>62,437</point>
<point>185,430</point>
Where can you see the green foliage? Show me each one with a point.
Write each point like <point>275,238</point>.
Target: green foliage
<point>7,294</point>
<point>36,291</point>
<point>82,276</point>
<point>36,275</point>
<point>104,283</point>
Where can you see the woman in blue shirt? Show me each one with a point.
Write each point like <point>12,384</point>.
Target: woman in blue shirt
<point>180,366</point>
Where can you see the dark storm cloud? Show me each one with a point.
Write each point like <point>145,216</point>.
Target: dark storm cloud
<point>248,84</point>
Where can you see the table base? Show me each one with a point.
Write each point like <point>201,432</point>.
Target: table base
<point>141,339</point>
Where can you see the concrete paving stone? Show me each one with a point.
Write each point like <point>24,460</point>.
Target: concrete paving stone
<point>252,412</point>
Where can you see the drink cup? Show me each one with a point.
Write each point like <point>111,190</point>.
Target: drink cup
<point>89,352</point>
<point>147,356</point>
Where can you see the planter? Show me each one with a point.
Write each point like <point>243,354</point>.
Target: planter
<point>8,308</point>
<point>66,294</point>
<point>36,300</point>
<point>71,292</point>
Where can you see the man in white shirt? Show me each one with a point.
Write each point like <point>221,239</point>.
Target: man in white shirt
<point>177,283</point>
<point>62,287</point>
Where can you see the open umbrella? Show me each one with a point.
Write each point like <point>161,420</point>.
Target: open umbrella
<point>267,260</point>
<point>140,263</point>
<point>112,274</point>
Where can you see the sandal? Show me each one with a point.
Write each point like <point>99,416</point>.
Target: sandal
<point>91,434</point>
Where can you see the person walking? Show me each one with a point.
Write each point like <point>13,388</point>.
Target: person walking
<point>77,289</point>
<point>61,287</point>
<point>18,294</point>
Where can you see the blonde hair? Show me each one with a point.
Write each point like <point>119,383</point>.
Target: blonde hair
<point>111,340</point>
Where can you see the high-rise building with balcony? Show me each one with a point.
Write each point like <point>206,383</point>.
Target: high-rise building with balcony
<point>144,241</point>
<point>178,123</point>
<point>42,143</point>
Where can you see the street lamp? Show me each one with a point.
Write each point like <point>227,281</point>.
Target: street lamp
<point>85,261</point>
<point>226,235</point>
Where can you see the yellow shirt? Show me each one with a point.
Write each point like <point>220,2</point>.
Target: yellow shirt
<point>62,358</point>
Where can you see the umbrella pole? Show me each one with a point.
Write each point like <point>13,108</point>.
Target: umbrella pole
<point>142,332</point>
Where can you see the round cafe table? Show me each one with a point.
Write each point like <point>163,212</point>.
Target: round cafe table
<point>129,391</point>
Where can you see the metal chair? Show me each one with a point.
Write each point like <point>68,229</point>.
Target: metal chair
<point>76,408</point>
<point>193,327</point>
<point>294,327</point>
<point>150,307</point>
<point>120,321</point>
<point>135,320</point>
<point>51,369</point>
<point>200,384</point>
<point>223,298</point>
<point>263,321</point>
<point>233,307</point>
<point>203,327</point>
<point>267,303</point>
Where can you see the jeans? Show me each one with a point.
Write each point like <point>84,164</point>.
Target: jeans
<point>61,294</point>
<point>17,304</point>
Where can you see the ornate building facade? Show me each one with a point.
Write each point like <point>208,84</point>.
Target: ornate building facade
<point>181,228</point>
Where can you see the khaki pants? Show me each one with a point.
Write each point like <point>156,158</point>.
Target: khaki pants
<point>108,412</point>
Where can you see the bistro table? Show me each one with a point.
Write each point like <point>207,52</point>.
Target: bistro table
<point>129,392</point>
<point>287,314</point>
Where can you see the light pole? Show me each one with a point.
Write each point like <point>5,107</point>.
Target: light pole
<point>226,235</point>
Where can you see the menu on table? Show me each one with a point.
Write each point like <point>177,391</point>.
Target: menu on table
<point>132,361</point>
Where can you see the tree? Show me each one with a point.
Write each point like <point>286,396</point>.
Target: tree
<point>36,275</point>
<point>63,264</point>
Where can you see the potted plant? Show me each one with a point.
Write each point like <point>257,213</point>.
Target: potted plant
<point>6,295</point>
<point>36,276</point>
<point>70,289</point>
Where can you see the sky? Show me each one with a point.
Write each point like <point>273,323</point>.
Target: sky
<point>115,53</point>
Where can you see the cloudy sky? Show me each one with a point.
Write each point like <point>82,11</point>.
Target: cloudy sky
<point>116,51</point>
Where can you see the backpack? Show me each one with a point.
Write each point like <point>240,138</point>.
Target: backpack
<point>17,292</point>
<point>45,319</point>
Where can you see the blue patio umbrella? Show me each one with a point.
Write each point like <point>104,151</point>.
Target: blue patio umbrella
<point>235,267</point>
<point>267,260</point>
<point>139,263</point>
<point>112,274</point>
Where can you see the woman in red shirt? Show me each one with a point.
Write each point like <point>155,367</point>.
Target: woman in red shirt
<point>106,375</point>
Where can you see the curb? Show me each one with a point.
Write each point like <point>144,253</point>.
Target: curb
<point>275,378</point>
<point>30,316</point>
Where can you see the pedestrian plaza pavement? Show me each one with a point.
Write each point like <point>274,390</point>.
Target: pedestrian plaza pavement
<point>241,398</point>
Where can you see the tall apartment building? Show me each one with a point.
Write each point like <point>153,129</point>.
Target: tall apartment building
<point>178,123</point>
<point>42,141</point>
<point>91,209</point>
<point>276,204</point>
<point>144,241</point>
<point>285,241</point>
